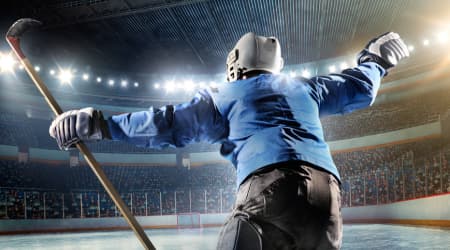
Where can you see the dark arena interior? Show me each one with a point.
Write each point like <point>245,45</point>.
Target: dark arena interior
<point>124,56</point>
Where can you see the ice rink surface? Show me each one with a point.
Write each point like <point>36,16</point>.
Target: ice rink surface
<point>371,236</point>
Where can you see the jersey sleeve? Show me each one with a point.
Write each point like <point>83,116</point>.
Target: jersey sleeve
<point>352,89</point>
<point>174,126</point>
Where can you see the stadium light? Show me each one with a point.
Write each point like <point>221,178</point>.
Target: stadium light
<point>85,77</point>
<point>189,86</point>
<point>332,69</point>
<point>411,48</point>
<point>111,82</point>
<point>305,73</point>
<point>65,76</point>
<point>124,83</point>
<point>99,79</point>
<point>136,84</point>
<point>7,63</point>
<point>169,86</point>
<point>426,42</point>
<point>37,68</point>
<point>343,65</point>
<point>156,86</point>
<point>442,37</point>
<point>52,72</point>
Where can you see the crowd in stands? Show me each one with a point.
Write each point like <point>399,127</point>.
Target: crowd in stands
<point>391,116</point>
<point>394,173</point>
<point>45,190</point>
<point>369,177</point>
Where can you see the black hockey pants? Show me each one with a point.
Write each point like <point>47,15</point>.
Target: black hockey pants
<point>285,206</point>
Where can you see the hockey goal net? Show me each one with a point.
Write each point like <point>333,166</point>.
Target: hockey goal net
<point>188,220</point>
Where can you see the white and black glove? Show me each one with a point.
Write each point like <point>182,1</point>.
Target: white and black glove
<point>386,50</point>
<point>73,126</point>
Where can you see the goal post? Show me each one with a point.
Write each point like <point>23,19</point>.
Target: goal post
<point>188,220</point>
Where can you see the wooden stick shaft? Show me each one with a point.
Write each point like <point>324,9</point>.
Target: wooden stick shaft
<point>95,166</point>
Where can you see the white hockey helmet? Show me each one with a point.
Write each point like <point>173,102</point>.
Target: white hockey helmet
<point>254,53</point>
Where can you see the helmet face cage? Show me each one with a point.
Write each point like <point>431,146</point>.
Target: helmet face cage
<point>254,53</point>
<point>233,72</point>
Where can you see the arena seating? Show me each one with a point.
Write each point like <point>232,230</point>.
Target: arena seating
<point>369,177</point>
<point>395,173</point>
<point>46,190</point>
<point>388,117</point>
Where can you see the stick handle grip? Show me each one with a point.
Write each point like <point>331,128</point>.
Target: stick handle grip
<point>95,166</point>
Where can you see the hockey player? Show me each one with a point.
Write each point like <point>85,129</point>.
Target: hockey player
<point>268,127</point>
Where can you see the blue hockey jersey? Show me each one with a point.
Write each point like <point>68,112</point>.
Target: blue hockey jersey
<point>258,121</point>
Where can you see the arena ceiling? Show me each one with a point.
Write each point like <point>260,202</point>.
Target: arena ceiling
<point>149,36</point>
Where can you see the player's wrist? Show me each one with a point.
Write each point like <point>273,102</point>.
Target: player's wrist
<point>365,56</point>
<point>100,127</point>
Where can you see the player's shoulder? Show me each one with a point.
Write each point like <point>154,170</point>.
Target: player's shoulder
<point>224,89</point>
<point>263,82</point>
<point>289,83</point>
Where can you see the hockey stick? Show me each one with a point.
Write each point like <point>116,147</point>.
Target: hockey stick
<point>13,37</point>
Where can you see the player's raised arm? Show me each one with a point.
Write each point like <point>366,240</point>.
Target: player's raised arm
<point>356,88</point>
<point>171,125</point>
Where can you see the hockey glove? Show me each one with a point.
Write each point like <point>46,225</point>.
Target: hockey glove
<point>73,126</point>
<point>386,50</point>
